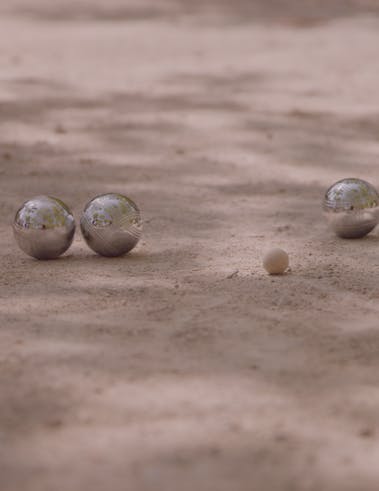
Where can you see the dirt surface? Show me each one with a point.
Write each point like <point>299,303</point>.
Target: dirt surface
<point>183,366</point>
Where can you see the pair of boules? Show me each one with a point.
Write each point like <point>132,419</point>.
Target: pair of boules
<point>44,227</point>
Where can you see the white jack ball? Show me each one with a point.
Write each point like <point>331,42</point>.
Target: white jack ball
<point>275,261</point>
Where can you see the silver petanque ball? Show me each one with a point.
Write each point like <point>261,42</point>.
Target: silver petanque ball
<point>111,224</point>
<point>351,208</point>
<point>44,227</point>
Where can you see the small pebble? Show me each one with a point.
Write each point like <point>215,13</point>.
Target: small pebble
<point>275,261</point>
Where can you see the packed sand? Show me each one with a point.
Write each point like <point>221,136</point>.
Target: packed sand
<point>184,366</point>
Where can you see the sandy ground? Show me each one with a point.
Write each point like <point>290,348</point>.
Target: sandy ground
<point>183,366</point>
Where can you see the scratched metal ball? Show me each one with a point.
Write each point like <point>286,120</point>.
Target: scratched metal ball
<point>44,227</point>
<point>111,224</point>
<point>351,207</point>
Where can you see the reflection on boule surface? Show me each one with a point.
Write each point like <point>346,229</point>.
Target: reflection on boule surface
<point>111,224</point>
<point>44,227</point>
<point>351,207</point>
